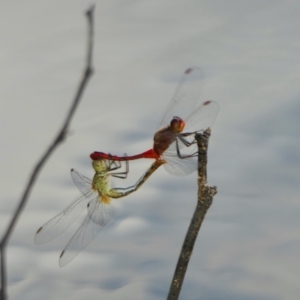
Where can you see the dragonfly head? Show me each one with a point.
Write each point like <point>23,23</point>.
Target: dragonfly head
<point>99,165</point>
<point>177,124</point>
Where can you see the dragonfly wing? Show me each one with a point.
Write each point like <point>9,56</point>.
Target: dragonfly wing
<point>203,117</point>
<point>57,225</point>
<point>82,182</point>
<point>186,97</point>
<point>180,166</point>
<point>99,215</point>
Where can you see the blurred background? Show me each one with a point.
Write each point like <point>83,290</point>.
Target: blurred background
<point>248,246</point>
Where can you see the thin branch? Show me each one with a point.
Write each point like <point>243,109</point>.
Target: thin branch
<point>205,198</point>
<point>3,274</point>
<point>59,139</point>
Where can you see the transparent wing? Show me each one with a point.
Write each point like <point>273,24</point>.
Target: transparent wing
<point>82,182</point>
<point>203,117</point>
<point>63,220</point>
<point>186,97</point>
<point>178,166</point>
<point>99,215</point>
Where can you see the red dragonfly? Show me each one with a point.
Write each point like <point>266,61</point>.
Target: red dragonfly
<point>174,143</point>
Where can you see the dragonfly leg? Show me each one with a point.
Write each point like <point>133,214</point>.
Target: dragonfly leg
<point>187,144</point>
<point>122,175</point>
<point>113,165</point>
<point>184,141</point>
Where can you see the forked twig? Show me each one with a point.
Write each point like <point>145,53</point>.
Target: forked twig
<point>60,138</point>
<point>205,198</point>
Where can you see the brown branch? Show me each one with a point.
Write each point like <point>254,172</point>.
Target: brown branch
<point>59,139</point>
<point>205,198</point>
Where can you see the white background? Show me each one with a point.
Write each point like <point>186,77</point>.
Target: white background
<point>249,244</point>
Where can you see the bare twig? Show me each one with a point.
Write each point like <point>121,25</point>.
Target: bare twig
<point>60,138</point>
<point>205,198</point>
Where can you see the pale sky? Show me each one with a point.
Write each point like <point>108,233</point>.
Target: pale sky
<point>249,244</point>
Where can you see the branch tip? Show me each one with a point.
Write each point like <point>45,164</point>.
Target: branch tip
<point>91,10</point>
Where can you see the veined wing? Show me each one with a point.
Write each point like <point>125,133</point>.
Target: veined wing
<point>64,219</point>
<point>186,97</point>
<point>99,215</point>
<point>203,117</point>
<point>83,183</point>
<point>176,165</point>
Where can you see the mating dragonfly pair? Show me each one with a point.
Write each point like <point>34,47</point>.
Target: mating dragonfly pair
<point>174,147</point>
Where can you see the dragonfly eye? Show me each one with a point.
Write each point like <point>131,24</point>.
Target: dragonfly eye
<point>177,124</point>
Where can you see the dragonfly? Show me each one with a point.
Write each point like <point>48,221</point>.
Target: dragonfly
<point>174,142</point>
<point>95,197</point>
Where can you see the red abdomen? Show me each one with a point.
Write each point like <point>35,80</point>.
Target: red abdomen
<point>101,155</point>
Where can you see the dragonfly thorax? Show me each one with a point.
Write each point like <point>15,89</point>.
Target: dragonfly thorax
<point>177,124</point>
<point>101,183</point>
